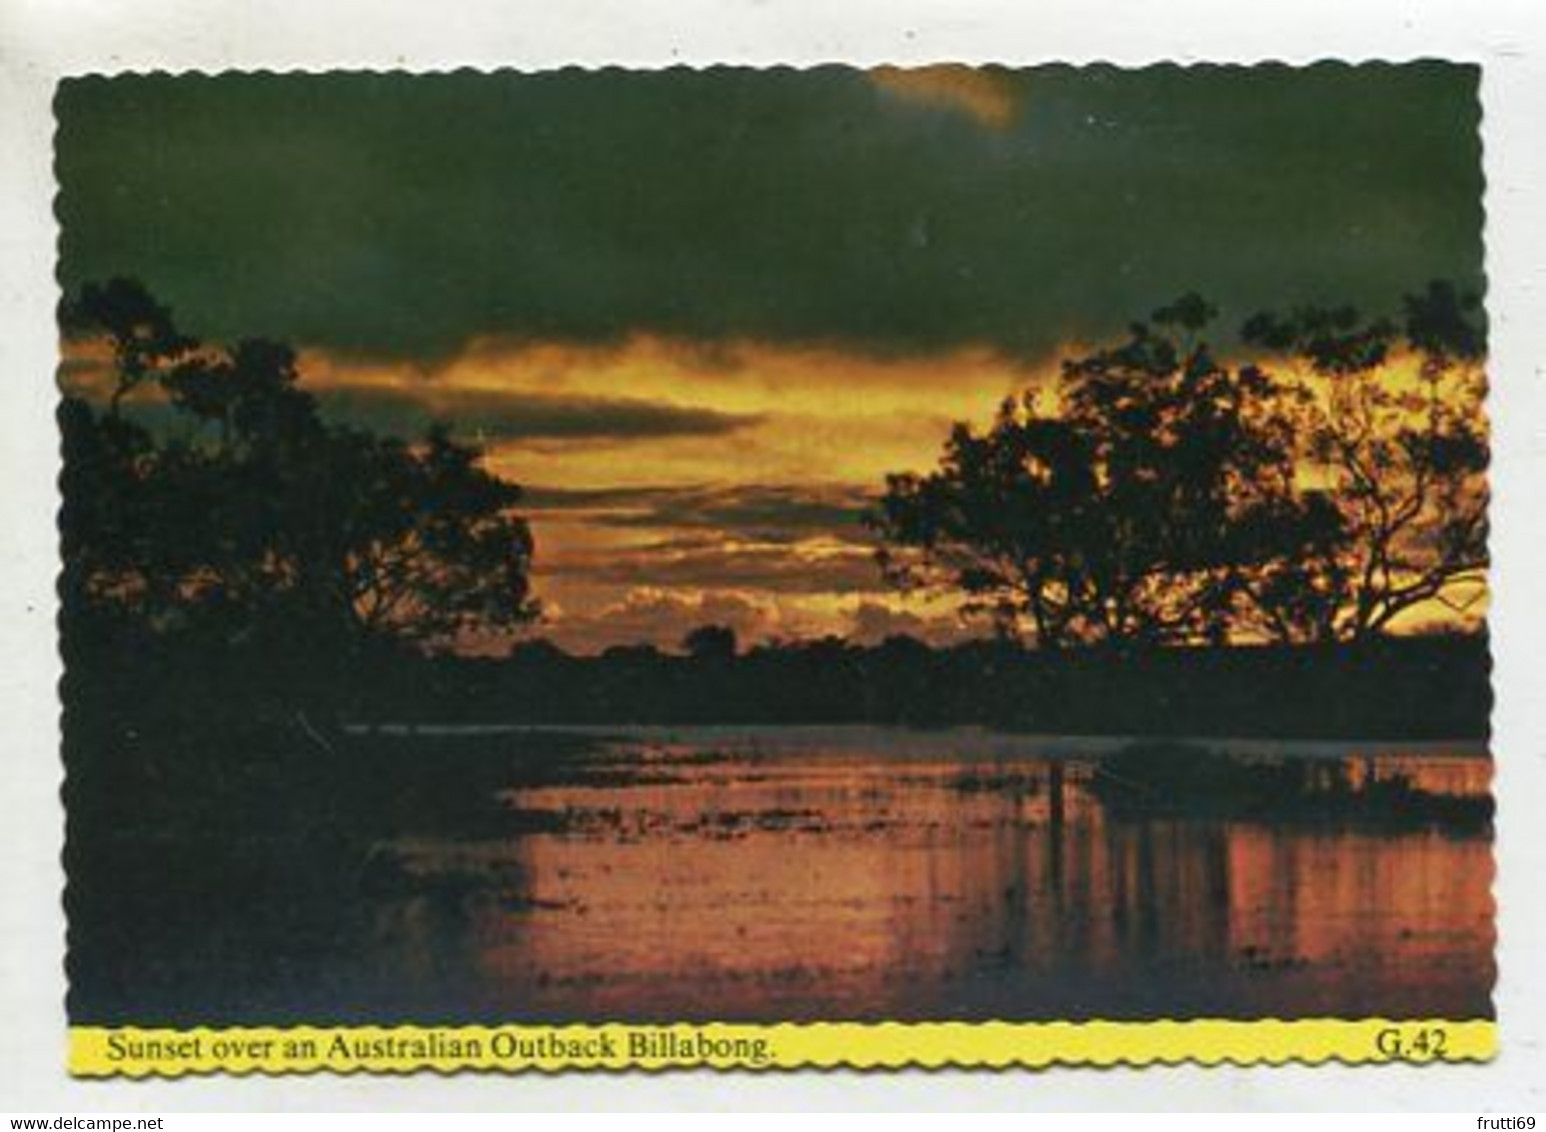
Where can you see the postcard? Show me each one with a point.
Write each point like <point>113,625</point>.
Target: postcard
<point>765,568</point>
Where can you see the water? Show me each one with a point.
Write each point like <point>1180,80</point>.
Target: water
<point>864,874</point>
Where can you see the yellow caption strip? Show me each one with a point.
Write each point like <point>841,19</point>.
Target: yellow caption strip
<point>97,1051</point>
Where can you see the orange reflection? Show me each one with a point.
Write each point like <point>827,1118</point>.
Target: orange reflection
<point>680,882</point>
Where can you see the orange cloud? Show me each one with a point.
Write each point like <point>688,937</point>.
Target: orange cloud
<point>738,412</point>
<point>662,617</point>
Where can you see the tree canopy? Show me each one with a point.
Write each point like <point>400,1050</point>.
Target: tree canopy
<point>1161,495</point>
<point>244,514</point>
<point>711,643</point>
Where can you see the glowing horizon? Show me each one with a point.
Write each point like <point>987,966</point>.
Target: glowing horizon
<point>725,487</point>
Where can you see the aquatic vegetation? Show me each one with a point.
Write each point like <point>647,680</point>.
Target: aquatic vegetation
<point>1185,780</point>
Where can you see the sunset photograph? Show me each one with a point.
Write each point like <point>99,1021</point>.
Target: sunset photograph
<point>738,545</point>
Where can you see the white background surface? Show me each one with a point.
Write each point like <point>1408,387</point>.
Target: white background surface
<point>41,41</point>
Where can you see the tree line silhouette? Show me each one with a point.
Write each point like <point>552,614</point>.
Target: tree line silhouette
<point>1428,687</point>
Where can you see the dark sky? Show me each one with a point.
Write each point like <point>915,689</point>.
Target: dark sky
<point>391,217</point>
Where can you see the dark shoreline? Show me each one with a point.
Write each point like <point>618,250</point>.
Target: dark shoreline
<point>1396,689</point>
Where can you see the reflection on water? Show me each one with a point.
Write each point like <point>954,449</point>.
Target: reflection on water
<point>694,881</point>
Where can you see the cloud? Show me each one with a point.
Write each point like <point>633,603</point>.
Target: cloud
<point>759,512</point>
<point>404,216</point>
<point>598,502</point>
<point>662,618</point>
<point>871,622</point>
<point>510,415</point>
<point>711,561</point>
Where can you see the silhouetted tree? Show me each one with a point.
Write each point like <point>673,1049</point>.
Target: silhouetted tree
<point>260,520</point>
<point>143,337</point>
<point>1390,414</point>
<point>642,655</point>
<point>1160,496</point>
<point>710,643</point>
<point>1124,510</point>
